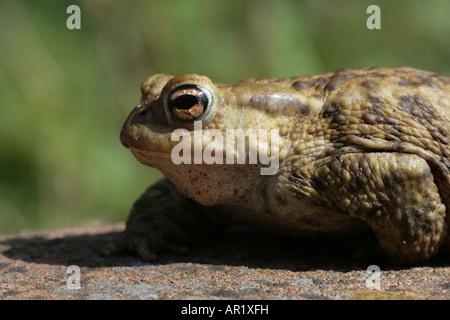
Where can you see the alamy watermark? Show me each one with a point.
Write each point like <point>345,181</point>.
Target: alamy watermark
<point>373,281</point>
<point>74,20</point>
<point>211,147</point>
<point>74,280</point>
<point>374,20</point>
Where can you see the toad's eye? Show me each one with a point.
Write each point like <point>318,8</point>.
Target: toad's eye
<point>187,102</point>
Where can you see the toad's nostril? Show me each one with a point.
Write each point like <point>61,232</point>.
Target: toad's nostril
<point>145,115</point>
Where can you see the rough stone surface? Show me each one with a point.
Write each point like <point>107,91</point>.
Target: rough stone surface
<point>241,264</point>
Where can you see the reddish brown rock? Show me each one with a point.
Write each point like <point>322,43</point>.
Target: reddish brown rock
<point>241,264</point>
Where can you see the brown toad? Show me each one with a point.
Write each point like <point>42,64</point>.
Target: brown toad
<point>357,149</point>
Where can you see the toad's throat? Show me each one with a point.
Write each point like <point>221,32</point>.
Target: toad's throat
<point>156,158</point>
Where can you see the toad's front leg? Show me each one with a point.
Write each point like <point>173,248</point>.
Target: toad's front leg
<point>395,194</point>
<point>163,219</point>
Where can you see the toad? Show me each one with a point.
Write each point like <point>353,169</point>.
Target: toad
<point>357,151</point>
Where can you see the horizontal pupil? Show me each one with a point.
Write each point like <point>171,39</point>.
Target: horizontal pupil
<point>184,102</point>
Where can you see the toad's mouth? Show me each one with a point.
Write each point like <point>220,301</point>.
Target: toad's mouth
<point>150,153</point>
<point>144,142</point>
<point>148,157</point>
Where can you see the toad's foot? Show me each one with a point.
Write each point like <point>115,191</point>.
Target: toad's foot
<point>163,219</point>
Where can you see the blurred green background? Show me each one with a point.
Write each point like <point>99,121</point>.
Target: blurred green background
<point>65,93</point>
